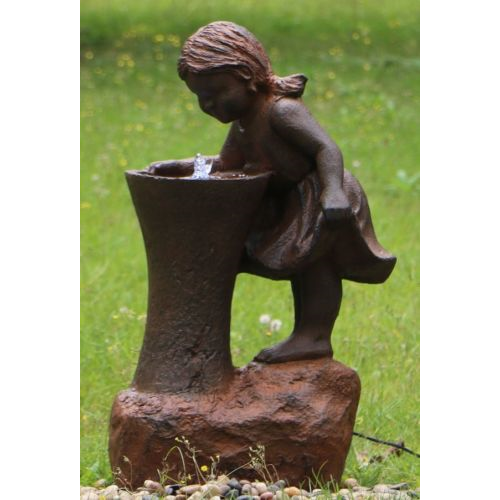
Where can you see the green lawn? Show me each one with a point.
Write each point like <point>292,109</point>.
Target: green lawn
<point>362,60</point>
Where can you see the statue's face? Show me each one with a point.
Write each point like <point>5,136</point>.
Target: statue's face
<point>221,95</point>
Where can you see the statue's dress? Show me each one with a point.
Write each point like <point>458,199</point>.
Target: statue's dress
<point>291,232</point>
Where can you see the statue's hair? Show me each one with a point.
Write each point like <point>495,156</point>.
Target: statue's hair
<point>224,46</point>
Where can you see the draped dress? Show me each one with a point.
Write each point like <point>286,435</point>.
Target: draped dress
<point>291,232</point>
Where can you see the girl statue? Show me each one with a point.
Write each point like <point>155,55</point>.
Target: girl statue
<point>314,226</point>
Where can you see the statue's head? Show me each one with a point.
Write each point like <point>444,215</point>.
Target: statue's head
<point>225,47</point>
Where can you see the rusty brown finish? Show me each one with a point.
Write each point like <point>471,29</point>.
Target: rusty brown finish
<point>314,219</point>
<point>193,238</point>
<point>278,204</point>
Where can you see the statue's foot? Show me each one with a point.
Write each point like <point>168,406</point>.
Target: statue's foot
<point>295,348</point>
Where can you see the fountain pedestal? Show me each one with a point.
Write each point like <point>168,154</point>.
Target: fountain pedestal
<point>185,384</point>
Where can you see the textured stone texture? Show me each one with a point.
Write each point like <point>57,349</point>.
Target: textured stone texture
<point>303,412</point>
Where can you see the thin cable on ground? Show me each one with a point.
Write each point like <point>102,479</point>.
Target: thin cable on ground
<point>388,443</point>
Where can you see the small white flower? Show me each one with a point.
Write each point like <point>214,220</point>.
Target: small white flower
<point>356,164</point>
<point>265,319</point>
<point>275,325</point>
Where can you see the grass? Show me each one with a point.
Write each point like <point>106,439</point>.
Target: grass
<point>362,61</point>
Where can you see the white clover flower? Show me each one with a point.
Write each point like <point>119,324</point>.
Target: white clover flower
<point>265,319</point>
<point>275,325</point>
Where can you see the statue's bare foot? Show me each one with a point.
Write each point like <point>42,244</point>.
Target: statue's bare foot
<point>295,348</point>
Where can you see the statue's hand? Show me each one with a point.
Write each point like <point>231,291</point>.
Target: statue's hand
<point>170,168</point>
<point>336,207</point>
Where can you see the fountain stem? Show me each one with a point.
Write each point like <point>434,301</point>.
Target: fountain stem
<point>194,233</point>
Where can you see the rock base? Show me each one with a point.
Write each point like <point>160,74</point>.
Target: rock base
<point>303,412</point>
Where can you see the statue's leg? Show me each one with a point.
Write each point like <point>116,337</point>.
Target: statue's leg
<point>317,296</point>
<point>297,301</point>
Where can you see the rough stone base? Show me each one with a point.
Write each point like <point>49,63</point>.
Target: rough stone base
<point>303,412</point>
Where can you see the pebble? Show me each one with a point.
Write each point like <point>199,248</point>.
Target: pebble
<point>190,489</point>
<point>110,491</point>
<point>350,483</point>
<point>268,495</point>
<point>382,488</point>
<point>281,495</point>
<point>210,489</point>
<point>87,489</point>
<point>248,489</point>
<point>90,495</point>
<point>153,486</point>
<point>260,487</point>
<point>361,495</point>
<point>223,489</point>
<point>234,484</point>
<point>234,489</point>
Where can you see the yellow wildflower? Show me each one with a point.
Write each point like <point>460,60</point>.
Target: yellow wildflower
<point>335,51</point>
<point>174,40</point>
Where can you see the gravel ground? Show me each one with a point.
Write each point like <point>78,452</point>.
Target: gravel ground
<point>224,488</point>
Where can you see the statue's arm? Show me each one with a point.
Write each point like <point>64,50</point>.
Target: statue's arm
<point>292,121</point>
<point>172,168</point>
<point>231,157</point>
